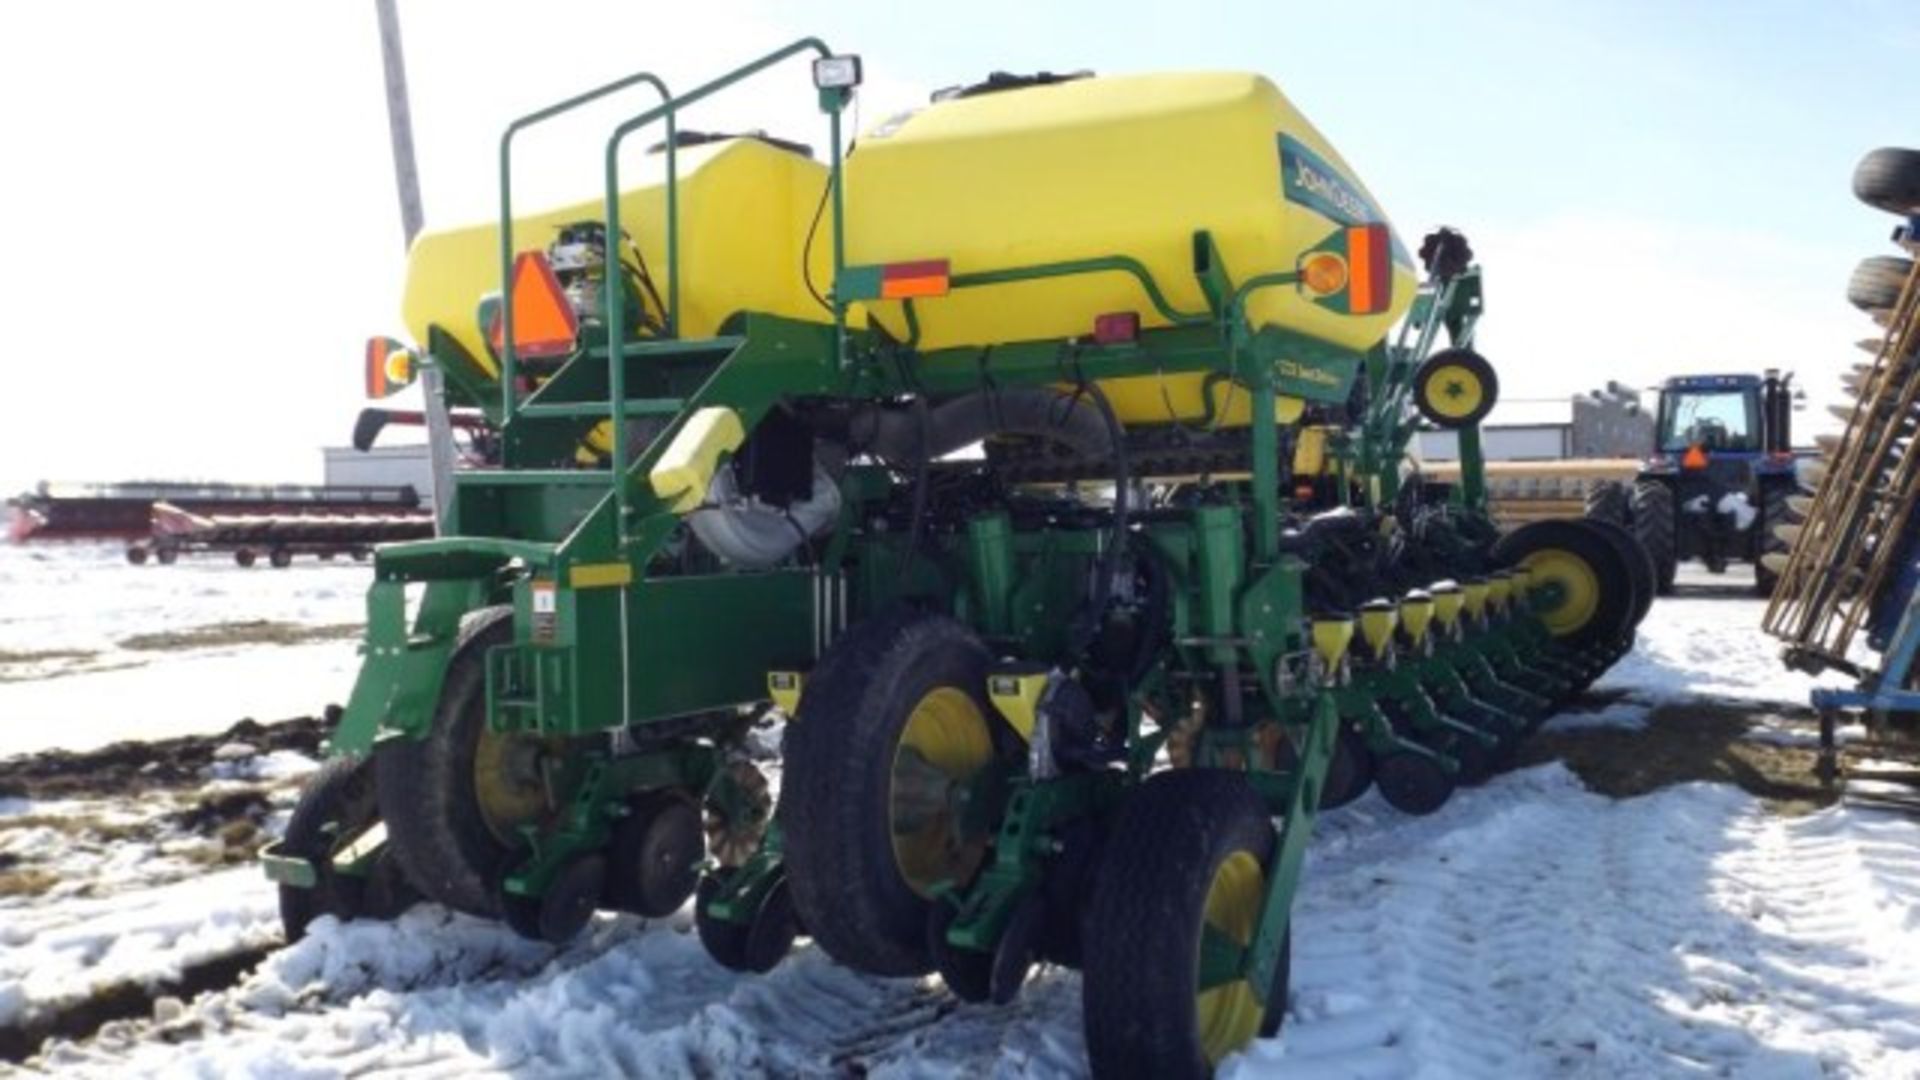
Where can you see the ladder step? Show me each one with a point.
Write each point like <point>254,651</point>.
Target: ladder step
<point>675,348</point>
<point>600,410</point>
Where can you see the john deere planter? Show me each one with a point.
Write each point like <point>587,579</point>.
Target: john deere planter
<point>1043,463</point>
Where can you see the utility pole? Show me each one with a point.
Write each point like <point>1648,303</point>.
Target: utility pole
<point>399,119</point>
<point>406,178</point>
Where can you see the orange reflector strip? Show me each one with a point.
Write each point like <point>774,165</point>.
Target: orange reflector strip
<point>376,367</point>
<point>390,367</point>
<point>544,324</point>
<point>907,280</point>
<point>1369,270</point>
<point>908,288</point>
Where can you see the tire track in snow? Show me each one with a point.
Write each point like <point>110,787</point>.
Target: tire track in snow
<point>1528,929</point>
<point>1533,929</point>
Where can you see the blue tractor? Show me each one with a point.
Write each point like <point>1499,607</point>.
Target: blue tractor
<point>1718,479</point>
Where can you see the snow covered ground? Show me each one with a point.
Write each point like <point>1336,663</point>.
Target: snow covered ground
<point>1531,928</point>
<point>94,650</point>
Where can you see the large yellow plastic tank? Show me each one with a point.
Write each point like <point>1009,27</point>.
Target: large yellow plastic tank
<point>744,210</point>
<point>1128,165</point>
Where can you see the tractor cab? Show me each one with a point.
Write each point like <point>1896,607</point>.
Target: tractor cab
<point>1723,454</point>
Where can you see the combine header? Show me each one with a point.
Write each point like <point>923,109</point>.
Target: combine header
<point>1040,463</point>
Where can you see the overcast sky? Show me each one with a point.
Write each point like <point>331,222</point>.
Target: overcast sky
<point>203,226</point>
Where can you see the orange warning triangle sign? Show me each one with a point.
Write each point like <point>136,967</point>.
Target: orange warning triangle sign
<point>543,322</point>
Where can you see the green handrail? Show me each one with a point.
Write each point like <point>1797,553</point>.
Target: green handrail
<point>616,301</point>
<point>1124,264</point>
<point>509,361</point>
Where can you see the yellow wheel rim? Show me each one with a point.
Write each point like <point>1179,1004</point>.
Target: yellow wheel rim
<point>508,783</point>
<point>1455,391</point>
<point>1230,1014</point>
<point>944,745</point>
<point>1579,588</point>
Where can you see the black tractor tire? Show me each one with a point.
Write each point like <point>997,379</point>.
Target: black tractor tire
<point>1608,501</point>
<point>1773,511</point>
<point>1145,921</point>
<point>338,803</point>
<point>1584,555</point>
<point>836,802</point>
<point>426,785</point>
<point>1640,562</point>
<point>1456,388</point>
<point>1654,522</point>
<point>1876,283</point>
<point>1889,179</point>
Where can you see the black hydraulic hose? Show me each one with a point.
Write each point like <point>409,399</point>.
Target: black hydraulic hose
<point>893,435</point>
<point>917,521</point>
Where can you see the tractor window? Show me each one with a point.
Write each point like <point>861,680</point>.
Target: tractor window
<point>1716,419</point>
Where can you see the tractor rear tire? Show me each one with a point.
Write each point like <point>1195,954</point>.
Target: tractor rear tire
<point>1189,848</point>
<point>1645,573</point>
<point>1598,604</point>
<point>338,802</point>
<point>900,697</point>
<point>428,785</point>
<point>1773,511</point>
<point>1877,282</point>
<point>1889,179</point>
<point>1608,502</point>
<point>1653,523</point>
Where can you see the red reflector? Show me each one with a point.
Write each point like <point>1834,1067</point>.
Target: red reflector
<point>1303,492</point>
<point>1116,328</point>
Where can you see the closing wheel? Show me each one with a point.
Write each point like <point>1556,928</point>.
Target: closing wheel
<point>756,946</point>
<point>336,806</point>
<point>1588,584</point>
<point>1455,388</point>
<point>1412,783</point>
<point>1644,571</point>
<point>456,799</point>
<point>892,742</point>
<point>1475,758</point>
<point>1350,773</point>
<point>653,859</point>
<point>1193,866</point>
<point>558,915</point>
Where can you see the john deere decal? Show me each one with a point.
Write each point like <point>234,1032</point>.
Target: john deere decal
<point>1308,179</point>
